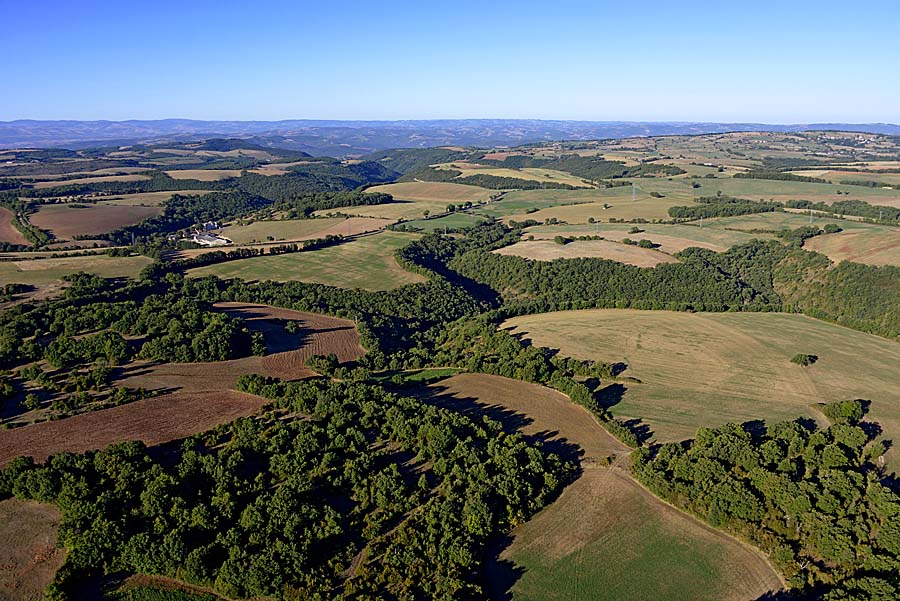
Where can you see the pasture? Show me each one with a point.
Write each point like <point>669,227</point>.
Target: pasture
<point>366,262</point>
<point>687,370</point>
<point>671,238</point>
<point>872,245</point>
<point>443,192</point>
<point>40,272</point>
<point>296,230</point>
<point>779,220</point>
<point>203,175</point>
<point>29,556</point>
<point>782,191</point>
<point>92,180</point>
<point>452,221</point>
<point>605,537</point>
<point>148,199</point>
<point>548,250</point>
<point>8,232</point>
<point>528,173</point>
<point>64,221</point>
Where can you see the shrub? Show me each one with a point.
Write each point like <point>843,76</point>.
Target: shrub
<point>803,360</point>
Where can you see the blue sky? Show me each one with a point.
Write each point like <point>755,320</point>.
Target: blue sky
<point>695,61</point>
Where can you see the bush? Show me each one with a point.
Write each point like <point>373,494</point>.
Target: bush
<point>844,412</point>
<point>803,360</point>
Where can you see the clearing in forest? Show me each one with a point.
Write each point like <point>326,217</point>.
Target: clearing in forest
<point>687,370</point>
<point>548,250</point>
<point>605,537</point>
<point>367,262</point>
<point>294,230</point>
<point>29,556</point>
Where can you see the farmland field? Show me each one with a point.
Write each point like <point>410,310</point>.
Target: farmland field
<point>367,262</point>
<point>92,180</point>
<point>8,232</point>
<point>452,221</point>
<point>605,537</point>
<point>148,199</point>
<point>548,250</point>
<point>46,271</point>
<point>779,220</point>
<point>837,176</point>
<point>67,220</point>
<point>442,192</point>
<point>529,174</point>
<point>671,238</point>
<point>29,556</point>
<point>203,175</point>
<point>761,189</point>
<point>300,229</point>
<point>873,245</point>
<point>707,369</point>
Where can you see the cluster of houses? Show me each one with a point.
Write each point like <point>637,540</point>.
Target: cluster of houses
<point>204,236</point>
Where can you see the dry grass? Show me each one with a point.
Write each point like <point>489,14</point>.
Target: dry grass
<point>548,250</point>
<point>153,421</point>
<point>706,369</point>
<point>29,556</point>
<point>203,175</point>
<point>604,533</point>
<point>435,191</point>
<point>92,180</point>
<point>296,230</point>
<point>8,232</point>
<point>48,271</point>
<point>65,221</point>
<point>873,246</point>
<point>671,238</point>
<point>149,199</point>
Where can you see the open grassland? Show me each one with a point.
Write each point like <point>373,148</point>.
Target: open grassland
<point>29,556</point>
<point>528,173</point>
<point>548,250</point>
<point>203,175</point>
<point>261,231</point>
<point>705,369</point>
<point>779,220</point>
<point>782,191</point>
<point>67,220</point>
<point>366,262</point>
<point>444,192</point>
<point>8,232</point>
<point>848,174</point>
<point>873,245</point>
<point>452,221</point>
<point>148,199</point>
<point>671,238</point>
<point>605,537</point>
<point>577,206</point>
<point>92,180</point>
<point>47,271</point>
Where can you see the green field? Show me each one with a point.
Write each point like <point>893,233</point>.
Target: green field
<point>779,220</point>
<point>452,221</point>
<point>47,271</point>
<point>670,237</point>
<point>707,369</point>
<point>761,189</point>
<point>366,262</point>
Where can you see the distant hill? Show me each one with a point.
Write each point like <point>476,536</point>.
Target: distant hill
<point>355,138</point>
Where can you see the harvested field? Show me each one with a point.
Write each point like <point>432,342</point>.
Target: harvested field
<point>317,335</point>
<point>705,369</point>
<point>67,220</point>
<point>872,246</point>
<point>149,199</point>
<point>436,191</point>
<point>605,536</point>
<point>91,180</point>
<point>41,272</point>
<point>8,232</point>
<point>295,230</point>
<point>203,175</point>
<point>671,238</point>
<point>528,174</point>
<point>153,421</point>
<point>367,262</point>
<point>548,250</point>
<point>29,556</point>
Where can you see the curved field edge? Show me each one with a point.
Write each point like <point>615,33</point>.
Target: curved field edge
<point>688,370</point>
<point>605,536</point>
<point>29,556</point>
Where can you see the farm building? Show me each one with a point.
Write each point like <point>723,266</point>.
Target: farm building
<point>209,240</point>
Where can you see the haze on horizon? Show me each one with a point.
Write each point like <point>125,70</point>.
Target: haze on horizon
<point>690,61</point>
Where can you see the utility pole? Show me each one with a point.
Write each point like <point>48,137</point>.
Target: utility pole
<point>810,216</point>
<point>633,192</point>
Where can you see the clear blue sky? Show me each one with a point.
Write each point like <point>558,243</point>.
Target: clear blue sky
<point>777,62</point>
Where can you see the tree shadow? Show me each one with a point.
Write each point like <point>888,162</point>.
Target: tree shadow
<point>610,395</point>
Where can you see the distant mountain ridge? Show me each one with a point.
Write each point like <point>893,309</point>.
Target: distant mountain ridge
<point>355,138</point>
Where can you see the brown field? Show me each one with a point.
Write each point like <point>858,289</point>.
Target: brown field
<point>605,537</point>
<point>318,335</point>
<point>548,250</point>
<point>203,175</point>
<point>92,180</point>
<point>29,556</point>
<point>86,174</point>
<point>8,232</point>
<point>434,191</point>
<point>873,246</point>
<point>65,221</point>
<point>153,421</point>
